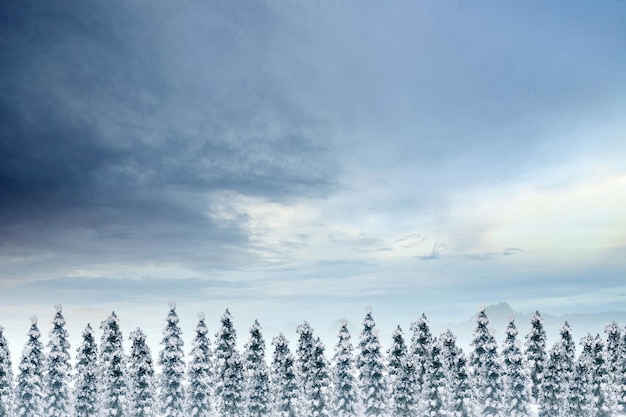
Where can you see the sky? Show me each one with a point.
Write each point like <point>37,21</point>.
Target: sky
<point>295,160</point>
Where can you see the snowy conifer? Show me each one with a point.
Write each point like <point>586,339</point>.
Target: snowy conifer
<point>463,402</point>
<point>200,373</point>
<point>554,386</point>
<point>517,394</point>
<point>620,379</point>
<point>569,352</point>
<point>420,351</point>
<point>29,383</point>
<point>229,372</point>
<point>87,372</point>
<point>56,379</point>
<point>613,340</point>
<point>6,377</point>
<point>401,374</point>
<point>371,377</point>
<point>304,359</point>
<point>313,372</point>
<point>258,389</point>
<point>285,390</point>
<point>536,353</point>
<point>436,391</point>
<point>317,393</point>
<point>141,378</point>
<point>114,386</point>
<point>171,392</point>
<point>603,388</point>
<point>345,400</point>
<point>487,372</point>
<point>579,397</point>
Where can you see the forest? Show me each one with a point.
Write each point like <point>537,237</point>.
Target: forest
<point>425,375</point>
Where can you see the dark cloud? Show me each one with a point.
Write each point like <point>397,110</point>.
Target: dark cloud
<point>127,118</point>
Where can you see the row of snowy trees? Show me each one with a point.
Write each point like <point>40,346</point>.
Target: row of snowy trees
<point>430,376</point>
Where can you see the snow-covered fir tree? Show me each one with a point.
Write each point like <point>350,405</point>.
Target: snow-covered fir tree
<point>304,359</point>
<point>141,378</point>
<point>449,351</point>
<point>461,402</point>
<point>6,377</point>
<point>620,380</point>
<point>436,390</point>
<point>603,388</point>
<point>554,387</point>
<point>114,386</point>
<point>569,352</point>
<point>487,371</point>
<point>258,390</point>
<point>284,381</point>
<point>579,397</point>
<point>29,383</point>
<point>344,399</point>
<point>317,393</point>
<point>57,376</point>
<point>229,372</point>
<point>401,377</point>
<point>420,351</point>
<point>517,394</point>
<point>536,353</point>
<point>200,373</point>
<point>613,348</point>
<point>371,370</point>
<point>86,399</point>
<point>313,374</point>
<point>171,390</point>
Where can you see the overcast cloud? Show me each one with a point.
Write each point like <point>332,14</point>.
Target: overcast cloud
<point>287,159</point>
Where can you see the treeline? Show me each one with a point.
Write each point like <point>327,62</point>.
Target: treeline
<point>424,376</point>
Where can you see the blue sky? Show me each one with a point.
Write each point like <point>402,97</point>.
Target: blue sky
<point>302,160</point>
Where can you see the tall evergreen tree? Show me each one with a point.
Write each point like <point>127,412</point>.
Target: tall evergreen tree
<point>371,377</point>
<point>462,403</point>
<point>284,380</point>
<point>200,373</point>
<point>304,361</point>
<point>487,372</point>
<point>602,385</point>
<point>613,341</point>
<point>569,352</point>
<point>6,377</point>
<point>114,386</point>
<point>401,374</point>
<point>579,397</point>
<point>436,391</point>
<point>29,383</point>
<point>420,351</point>
<point>463,398</point>
<point>554,386</point>
<point>229,372</point>
<point>57,376</point>
<point>86,398</point>
<point>536,353</point>
<point>345,398</point>
<point>171,390</point>
<point>141,378</point>
<point>517,394</point>
<point>317,392</point>
<point>620,380</point>
<point>258,390</point>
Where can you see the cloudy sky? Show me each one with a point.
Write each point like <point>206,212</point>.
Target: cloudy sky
<point>298,160</point>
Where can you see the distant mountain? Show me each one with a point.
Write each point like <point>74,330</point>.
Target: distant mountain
<point>498,314</point>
